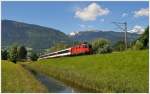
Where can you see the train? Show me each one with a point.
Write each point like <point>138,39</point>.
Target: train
<point>83,48</point>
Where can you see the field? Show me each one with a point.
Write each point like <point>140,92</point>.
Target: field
<point>115,72</point>
<point>16,79</point>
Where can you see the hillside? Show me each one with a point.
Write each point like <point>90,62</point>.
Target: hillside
<point>39,37</point>
<point>32,36</point>
<point>110,35</point>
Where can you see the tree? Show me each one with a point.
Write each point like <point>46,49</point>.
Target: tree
<point>4,54</point>
<point>145,38</point>
<point>143,41</point>
<point>138,45</point>
<point>101,46</point>
<point>76,43</point>
<point>33,56</point>
<point>105,49</point>
<point>58,46</point>
<point>13,55</point>
<point>22,52</point>
<point>119,46</point>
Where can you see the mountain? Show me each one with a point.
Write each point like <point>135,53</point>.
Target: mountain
<point>39,37</point>
<point>30,35</point>
<point>110,35</point>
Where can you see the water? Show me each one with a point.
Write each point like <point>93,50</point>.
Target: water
<point>52,84</point>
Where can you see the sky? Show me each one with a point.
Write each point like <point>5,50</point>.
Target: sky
<point>80,15</point>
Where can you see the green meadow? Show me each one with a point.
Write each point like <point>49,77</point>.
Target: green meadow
<point>15,79</point>
<point>116,72</point>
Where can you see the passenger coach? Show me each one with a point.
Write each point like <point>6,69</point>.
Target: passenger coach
<point>83,48</point>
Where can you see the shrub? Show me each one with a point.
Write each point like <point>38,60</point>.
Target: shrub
<point>105,49</point>
<point>145,38</point>
<point>22,52</point>
<point>33,56</point>
<point>143,41</point>
<point>4,55</point>
<point>13,55</point>
<point>101,46</point>
<point>138,45</point>
<point>119,46</point>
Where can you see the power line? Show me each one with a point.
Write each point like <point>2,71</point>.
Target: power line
<point>123,27</point>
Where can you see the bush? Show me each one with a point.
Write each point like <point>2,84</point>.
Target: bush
<point>33,56</point>
<point>13,55</point>
<point>145,38</point>
<point>101,46</point>
<point>138,45</point>
<point>105,49</point>
<point>119,46</point>
<point>143,41</point>
<point>22,53</point>
<point>4,55</point>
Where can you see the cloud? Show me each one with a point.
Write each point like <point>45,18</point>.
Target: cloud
<point>142,12</point>
<point>137,29</point>
<point>124,14</point>
<point>91,12</point>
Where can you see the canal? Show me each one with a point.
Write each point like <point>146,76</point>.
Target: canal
<point>53,85</point>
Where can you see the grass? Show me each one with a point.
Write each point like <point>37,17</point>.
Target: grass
<point>115,72</point>
<point>16,79</point>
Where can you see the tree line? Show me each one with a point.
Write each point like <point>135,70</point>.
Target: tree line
<point>18,53</point>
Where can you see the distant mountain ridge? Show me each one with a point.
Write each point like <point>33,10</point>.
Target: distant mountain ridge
<point>39,37</point>
<point>110,35</point>
<point>30,35</point>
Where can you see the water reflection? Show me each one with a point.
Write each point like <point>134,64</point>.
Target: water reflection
<point>52,84</point>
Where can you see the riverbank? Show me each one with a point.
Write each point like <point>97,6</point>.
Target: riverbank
<point>18,78</point>
<point>115,72</point>
<point>15,79</point>
<point>52,84</point>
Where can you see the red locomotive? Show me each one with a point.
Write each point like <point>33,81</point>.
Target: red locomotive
<point>83,48</point>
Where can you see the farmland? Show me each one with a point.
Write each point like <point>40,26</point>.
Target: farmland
<point>116,72</point>
<point>16,79</point>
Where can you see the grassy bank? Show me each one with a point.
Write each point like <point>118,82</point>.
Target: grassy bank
<point>115,72</point>
<point>16,79</point>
